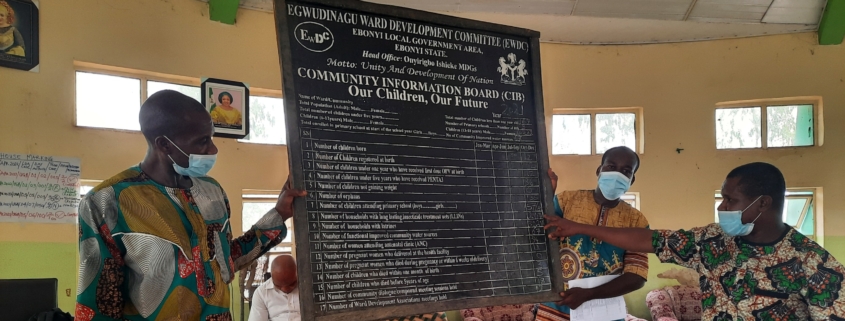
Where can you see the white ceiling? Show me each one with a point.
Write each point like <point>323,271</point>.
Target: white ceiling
<point>627,21</point>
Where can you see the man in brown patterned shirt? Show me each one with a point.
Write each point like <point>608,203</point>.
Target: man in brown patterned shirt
<point>585,257</point>
<point>752,265</point>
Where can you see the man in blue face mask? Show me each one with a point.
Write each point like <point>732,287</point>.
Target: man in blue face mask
<point>584,257</point>
<point>752,265</point>
<point>155,241</point>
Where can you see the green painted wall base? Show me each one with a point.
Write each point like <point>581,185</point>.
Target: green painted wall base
<point>836,246</point>
<point>236,303</point>
<point>59,260</point>
<point>454,316</point>
<point>636,300</point>
<point>29,260</point>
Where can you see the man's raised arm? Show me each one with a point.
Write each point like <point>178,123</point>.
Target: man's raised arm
<point>629,239</point>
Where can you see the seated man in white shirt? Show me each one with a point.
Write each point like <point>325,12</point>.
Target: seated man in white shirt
<point>277,299</point>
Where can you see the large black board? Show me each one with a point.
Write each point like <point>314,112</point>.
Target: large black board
<point>421,140</point>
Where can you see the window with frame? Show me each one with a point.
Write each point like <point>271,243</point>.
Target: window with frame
<point>266,121</point>
<point>774,123</point>
<point>256,203</point>
<point>799,210</point>
<point>111,97</point>
<point>107,101</point>
<point>594,131</point>
<point>632,198</point>
<point>190,91</point>
<point>86,185</point>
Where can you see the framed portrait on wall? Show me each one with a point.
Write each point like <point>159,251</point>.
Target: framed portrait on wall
<point>228,103</point>
<point>19,34</point>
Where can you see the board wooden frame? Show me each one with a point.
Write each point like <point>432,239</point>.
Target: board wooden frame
<point>303,249</point>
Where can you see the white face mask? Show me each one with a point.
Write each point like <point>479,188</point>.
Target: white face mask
<point>613,185</point>
<point>198,165</point>
<point>731,221</point>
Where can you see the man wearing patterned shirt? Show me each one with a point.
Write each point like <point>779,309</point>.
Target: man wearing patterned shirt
<point>752,265</point>
<point>155,241</point>
<point>584,257</point>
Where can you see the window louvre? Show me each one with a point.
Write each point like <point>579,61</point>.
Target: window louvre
<point>769,123</point>
<point>594,131</point>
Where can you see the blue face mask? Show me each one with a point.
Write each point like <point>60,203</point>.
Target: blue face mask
<point>731,221</point>
<point>613,184</point>
<point>198,165</point>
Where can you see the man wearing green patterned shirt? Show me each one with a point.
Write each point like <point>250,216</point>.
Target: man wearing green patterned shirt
<point>155,241</point>
<point>752,265</point>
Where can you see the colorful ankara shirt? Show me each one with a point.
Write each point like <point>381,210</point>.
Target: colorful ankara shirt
<point>584,257</point>
<point>792,278</point>
<point>150,252</point>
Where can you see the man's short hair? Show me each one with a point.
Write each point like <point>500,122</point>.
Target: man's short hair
<point>622,148</point>
<point>757,179</point>
<point>165,112</point>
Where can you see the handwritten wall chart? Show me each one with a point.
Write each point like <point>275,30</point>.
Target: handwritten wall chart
<point>38,189</point>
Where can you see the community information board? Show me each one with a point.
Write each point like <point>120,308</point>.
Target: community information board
<point>420,139</point>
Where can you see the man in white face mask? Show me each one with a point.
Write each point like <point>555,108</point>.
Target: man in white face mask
<point>752,265</point>
<point>584,257</point>
<point>155,241</point>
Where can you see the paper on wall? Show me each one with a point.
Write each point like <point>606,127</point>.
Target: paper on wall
<point>38,189</point>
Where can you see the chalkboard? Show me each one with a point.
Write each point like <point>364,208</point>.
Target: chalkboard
<point>38,189</point>
<point>420,139</point>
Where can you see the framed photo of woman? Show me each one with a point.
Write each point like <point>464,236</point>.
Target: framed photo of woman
<point>19,34</point>
<point>228,104</point>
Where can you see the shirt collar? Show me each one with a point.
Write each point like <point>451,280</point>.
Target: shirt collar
<point>268,285</point>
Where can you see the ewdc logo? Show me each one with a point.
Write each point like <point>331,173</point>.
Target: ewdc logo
<point>314,36</point>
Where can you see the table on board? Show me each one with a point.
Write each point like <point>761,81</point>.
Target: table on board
<point>421,141</point>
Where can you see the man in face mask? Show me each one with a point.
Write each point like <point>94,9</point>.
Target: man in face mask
<point>584,257</point>
<point>752,265</point>
<point>155,241</point>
